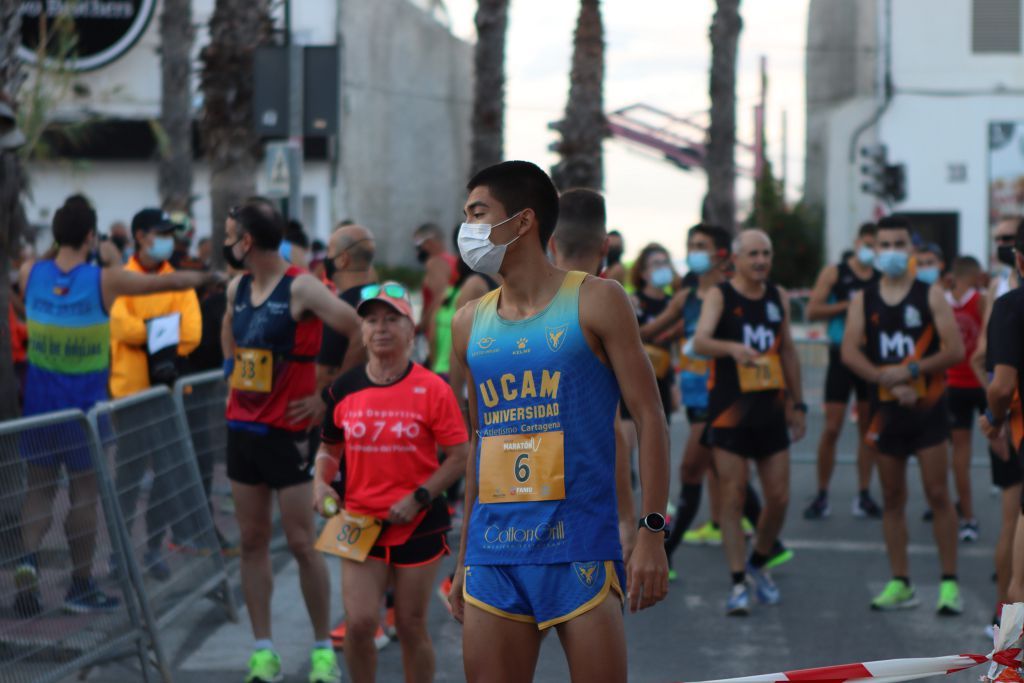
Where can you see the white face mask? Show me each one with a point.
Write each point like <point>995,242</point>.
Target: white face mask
<point>476,247</point>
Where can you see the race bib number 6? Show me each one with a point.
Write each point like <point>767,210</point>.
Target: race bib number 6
<point>764,375</point>
<point>520,468</point>
<point>254,370</point>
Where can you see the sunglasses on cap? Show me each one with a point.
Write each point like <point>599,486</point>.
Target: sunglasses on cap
<point>391,289</point>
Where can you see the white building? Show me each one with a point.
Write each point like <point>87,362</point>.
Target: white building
<point>403,137</point>
<point>941,85</point>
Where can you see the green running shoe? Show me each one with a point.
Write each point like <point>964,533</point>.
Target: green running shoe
<point>780,556</point>
<point>264,667</point>
<point>708,534</point>
<point>324,666</point>
<point>673,575</point>
<point>950,604</point>
<point>895,595</point>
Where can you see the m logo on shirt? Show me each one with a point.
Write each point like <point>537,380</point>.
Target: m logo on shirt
<point>760,337</point>
<point>895,346</point>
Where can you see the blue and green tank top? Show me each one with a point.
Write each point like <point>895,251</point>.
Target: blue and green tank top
<point>546,443</point>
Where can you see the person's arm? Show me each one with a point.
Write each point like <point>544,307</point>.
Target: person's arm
<point>436,281</point>
<point>791,371</point>
<point>191,327</point>
<point>671,314</point>
<point>851,350</point>
<point>624,491</point>
<point>325,468</point>
<point>117,282</point>
<point>605,312</point>
<point>1000,392</point>
<point>450,471</point>
<point>311,295</point>
<point>818,307</point>
<point>126,327</point>
<point>461,326</point>
<point>227,335</point>
<point>979,357</point>
<point>1006,338</point>
<point>704,342</point>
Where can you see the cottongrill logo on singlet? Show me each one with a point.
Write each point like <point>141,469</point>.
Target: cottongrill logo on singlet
<point>895,346</point>
<point>760,337</point>
<point>544,533</point>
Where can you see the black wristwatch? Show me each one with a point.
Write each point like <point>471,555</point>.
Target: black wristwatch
<point>654,521</point>
<point>914,369</point>
<point>422,496</point>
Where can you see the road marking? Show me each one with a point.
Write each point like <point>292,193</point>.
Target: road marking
<point>874,547</point>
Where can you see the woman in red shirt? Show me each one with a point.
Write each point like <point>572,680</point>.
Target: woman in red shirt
<point>385,422</point>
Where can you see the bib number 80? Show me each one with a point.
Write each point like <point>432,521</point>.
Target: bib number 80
<point>350,534</point>
<point>522,468</point>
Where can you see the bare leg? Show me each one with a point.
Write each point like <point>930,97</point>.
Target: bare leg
<point>80,524</point>
<point>773,472</point>
<point>866,454</point>
<point>362,589</point>
<point>252,510</point>
<point>297,520</point>
<point>834,414</point>
<point>1015,592</point>
<point>1004,546</point>
<point>714,495</point>
<point>732,482</point>
<point>37,508</point>
<point>498,650</point>
<point>892,472</point>
<point>962,471</point>
<point>595,644</point>
<point>413,588</point>
<point>934,465</point>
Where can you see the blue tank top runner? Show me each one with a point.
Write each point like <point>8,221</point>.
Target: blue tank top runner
<point>693,380</point>
<point>546,444</point>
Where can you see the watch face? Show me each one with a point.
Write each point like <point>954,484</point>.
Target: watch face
<point>654,521</point>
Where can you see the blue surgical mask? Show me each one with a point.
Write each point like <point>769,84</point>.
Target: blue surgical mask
<point>162,248</point>
<point>866,256</point>
<point>698,262</point>
<point>662,277</point>
<point>892,262</point>
<point>928,275</point>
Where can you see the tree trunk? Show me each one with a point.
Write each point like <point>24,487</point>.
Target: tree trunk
<point>584,127</point>
<point>720,163</point>
<point>12,185</point>
<point>176,37</point>
<point>237,28</point>
<point>489,84</point>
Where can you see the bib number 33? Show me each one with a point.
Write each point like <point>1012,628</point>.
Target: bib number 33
<point>519,468</point>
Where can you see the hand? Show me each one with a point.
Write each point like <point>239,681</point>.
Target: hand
<point>404,511</point>
<point>310,408</point>
<point>995,435</point>
<point>742,354</point>
<point>455,599</point>
<point>647,571</point>
<point>890,377</point>
<point>797,424</point>
<point>214,278</point>
<point>1000,447</point>
<point>906,396</point>
<point>321,492</point>
<point>627,537</point>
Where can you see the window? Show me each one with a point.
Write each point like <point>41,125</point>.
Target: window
<point>995,26</point>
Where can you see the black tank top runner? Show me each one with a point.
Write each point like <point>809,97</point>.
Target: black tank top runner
<point>901,334</point>
<point>847,283</point>
<point>758,325</point>
<point>649,309</point>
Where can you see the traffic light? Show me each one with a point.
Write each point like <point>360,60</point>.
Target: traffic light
<point>886,181</point>
<point>895,183</point>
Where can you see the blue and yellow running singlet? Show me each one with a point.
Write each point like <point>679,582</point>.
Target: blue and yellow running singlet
<point>545,457</point>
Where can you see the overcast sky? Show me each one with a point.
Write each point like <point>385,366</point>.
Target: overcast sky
<point>658,56</point>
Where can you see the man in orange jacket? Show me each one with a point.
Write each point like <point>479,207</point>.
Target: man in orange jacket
<point>139,359</point>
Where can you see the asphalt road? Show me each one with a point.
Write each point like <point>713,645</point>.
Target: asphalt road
<point>824,619</point>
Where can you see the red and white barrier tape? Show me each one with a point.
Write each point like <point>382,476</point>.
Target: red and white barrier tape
<point>1004,662</point>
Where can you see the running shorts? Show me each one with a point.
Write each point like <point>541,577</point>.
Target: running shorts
<point>965,405</point>
<point>755,443</point>
<point>261,455</point>
<point>1006,473</point>
<point>696,415</point>
<point>429,541</point>
<point>906,432</point>
<point>543,594</point>
<point>840,380</point>
<point>64,443</point>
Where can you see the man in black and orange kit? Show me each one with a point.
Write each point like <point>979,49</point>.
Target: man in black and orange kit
<point>755,405</point>
<point>901,335</point>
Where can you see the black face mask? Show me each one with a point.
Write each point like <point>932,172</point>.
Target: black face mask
<point>231,259</point>
<point>422,255</point>
<point>1006,255</point>
<point>329,268</point>
<point>614,255</point>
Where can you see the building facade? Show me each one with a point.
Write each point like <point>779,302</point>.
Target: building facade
<point>941,86</point>
<point>399,156</point>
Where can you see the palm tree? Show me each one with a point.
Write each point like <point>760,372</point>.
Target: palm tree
<point>489,84</point>
<point>176,36</point>
<point>584,126</point>
<point>720,164</point>
<point>12,184</point>
<point>237,28</point>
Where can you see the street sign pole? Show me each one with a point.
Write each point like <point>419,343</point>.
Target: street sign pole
<point>295,120</point>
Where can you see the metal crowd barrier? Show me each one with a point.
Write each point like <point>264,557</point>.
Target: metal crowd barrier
<point>55,497</point>
<point>160,494</point>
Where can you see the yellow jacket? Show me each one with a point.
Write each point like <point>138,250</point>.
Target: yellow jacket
<point>129,369</point>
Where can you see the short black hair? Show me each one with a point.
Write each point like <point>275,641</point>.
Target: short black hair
<point>867,230</point>
<point>296,235</point>
<point>964,266</point>
<point>615,233</point>
<point>895,223</point>
<point>73,222</point>
<point>581,223</point>
<point>720,237</point>
<point>260,219</point>
<point>1019,241</point>
<point>520,185</point>
<point>427,230</point>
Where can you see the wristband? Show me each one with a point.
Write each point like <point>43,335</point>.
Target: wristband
<point>801,406</point>
<point>914,369</point>
<point>229,366</point>
<point>992,419</point>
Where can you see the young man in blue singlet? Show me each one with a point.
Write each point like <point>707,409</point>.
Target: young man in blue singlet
<point>546,355</point>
